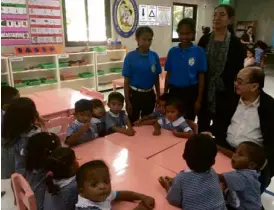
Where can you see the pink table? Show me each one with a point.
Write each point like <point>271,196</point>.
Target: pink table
<point>128,171</point>
<point>144,143</point>
<point>171,159</point>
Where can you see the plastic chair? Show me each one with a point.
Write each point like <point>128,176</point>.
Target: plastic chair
<point>24,196</point>
<point>193,125</point>
<point>58,126</point>
<point>92,93</point>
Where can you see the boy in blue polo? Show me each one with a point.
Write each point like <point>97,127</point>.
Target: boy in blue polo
<point>185,66</point>
<point>141,72</point>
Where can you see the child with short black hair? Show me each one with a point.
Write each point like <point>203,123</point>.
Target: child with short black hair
<point>62,192</point>
<point>98,116</point>
<point>39,147</point>
<point>173,120</point>
<point>250,57</point>
<point>82,129</point>
<point>243,186</point>
<point>197,188</point>
<point>19,125</point>
<point>95,193</point>
<point>158,113</point>
<point>8,93</point>
<point>116,119</point>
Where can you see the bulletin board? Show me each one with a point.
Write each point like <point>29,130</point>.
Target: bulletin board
<point>31,22</point>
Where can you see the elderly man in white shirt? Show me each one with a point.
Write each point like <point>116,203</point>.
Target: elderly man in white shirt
<point>248,118</point>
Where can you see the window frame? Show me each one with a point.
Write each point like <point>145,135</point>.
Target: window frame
<point>84,43</point>
<point>195,12</point>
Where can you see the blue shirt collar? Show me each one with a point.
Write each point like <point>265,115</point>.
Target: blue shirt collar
<point>186,49</point>
<point>137,51</point>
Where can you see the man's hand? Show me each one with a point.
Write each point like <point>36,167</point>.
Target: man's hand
<point>129,108</point>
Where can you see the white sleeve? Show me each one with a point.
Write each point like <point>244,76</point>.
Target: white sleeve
<point>160,121</point>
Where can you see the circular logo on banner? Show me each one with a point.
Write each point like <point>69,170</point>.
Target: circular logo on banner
<point>125,17</point>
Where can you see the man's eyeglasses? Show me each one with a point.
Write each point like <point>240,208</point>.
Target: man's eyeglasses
<point>241,82</point>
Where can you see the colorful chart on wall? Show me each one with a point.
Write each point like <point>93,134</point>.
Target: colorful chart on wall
<point>14,23</point>
<point>125,17</point>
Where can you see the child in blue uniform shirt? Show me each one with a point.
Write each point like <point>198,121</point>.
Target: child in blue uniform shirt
<point>243,186</point>
<point>39,147</point>
<point>141,72</point>
<point>61,184</point>
<point>18,126</point>
<point>197,188</point>
<point>82,130</point>
<point>185,66</point>
<point>173,120</point>
<point>158,113</point>
<point>98,116</point>
<point>116,119</point>
<point>95,193</point>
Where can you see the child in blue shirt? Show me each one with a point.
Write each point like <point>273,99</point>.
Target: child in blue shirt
<point>18,126</point>
<point>141,71</point>
<point>39,147</point>
<point>243,186</point>
<point>197,188</point>
<point>116,119</point>
<point>173,120</point>
<point>259,53</point>
<point>61,184</point>
<point>82,130</point>
<point>185,66</point>
<point>98,116</point>
<point>95,193</point>
<point>158,113</point>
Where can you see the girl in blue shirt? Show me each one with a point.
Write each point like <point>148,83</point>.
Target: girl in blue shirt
<point>185,66</point>
<point>141,72</point>
<point>61,183</point>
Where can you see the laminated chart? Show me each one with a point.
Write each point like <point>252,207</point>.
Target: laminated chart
<point>14,23</point>
<point>45,22</point>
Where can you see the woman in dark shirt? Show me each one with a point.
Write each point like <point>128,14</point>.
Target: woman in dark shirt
<point>248,39</point>
<point>225,55</point>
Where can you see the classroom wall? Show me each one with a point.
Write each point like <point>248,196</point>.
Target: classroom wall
<point>263,12</point>
<point>162,38</point>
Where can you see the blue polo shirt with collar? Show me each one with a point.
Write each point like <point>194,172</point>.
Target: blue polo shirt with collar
<point>184,65</point>
<point>142,69</point>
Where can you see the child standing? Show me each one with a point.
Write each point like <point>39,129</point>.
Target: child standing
<point>243,184</point>
<point>116,119</point>
<point>18,127</point>
<point>98,116</point>
<point>39,147</point>
<point>95,193</point>
<point>250,57</point>
<point>82,130</point>
<point>141,72</point>
<point>259,53</point>
<point>185,66</point>
<point>61,183</point>
<point>197,188</point>
<point>173,120</point>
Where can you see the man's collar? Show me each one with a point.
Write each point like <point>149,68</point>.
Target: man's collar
<point>255,103</point>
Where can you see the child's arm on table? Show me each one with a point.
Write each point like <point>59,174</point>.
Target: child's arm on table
<point>183,134</point>
<point>166,182</point>
<point>225,151</point>
<point>157,129</point>
<point>73,138</point>
<point>133,196</point>
<point>126,131</point>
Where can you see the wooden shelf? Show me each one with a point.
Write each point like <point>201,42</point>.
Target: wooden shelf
<point>33,70</point>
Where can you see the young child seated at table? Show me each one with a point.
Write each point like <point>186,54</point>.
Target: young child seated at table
<point>7,95</point>
<point>98,116</point>
<point>173,120</point>
<point>158,113</point>
<point>39,147</point>
<point>95,193</point>
<point>62,188</point>
<point>82,129</point>
<point>116,119</point>
<point>18,126</point>
<point>243,186</point>
<point>198,187</point>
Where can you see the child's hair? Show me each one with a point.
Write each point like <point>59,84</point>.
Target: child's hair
<point>7,95</point>
<point>200,152</point>
<point>165,97</point>
<point>95,103</point>
<point>189,22</point>
<point>177,103</point>
<point>256,154</point>
<point>252,51</point>
<point>39,147</point>
<point>81,174</point>
<point>83,105</point>
<point>143,29</point>
<point>59,163</point>
<point>116,96</point>
<point>261,45</point>
<point>19,118</point>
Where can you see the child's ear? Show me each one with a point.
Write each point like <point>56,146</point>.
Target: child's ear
<point>253,165</point>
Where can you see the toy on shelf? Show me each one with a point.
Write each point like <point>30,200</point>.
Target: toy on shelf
<point>68,76</point>
<point>116,70</point>
<point>4,84</point>
<point>86,75</point>
<point>100,72</point>
<point>34,82</point>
